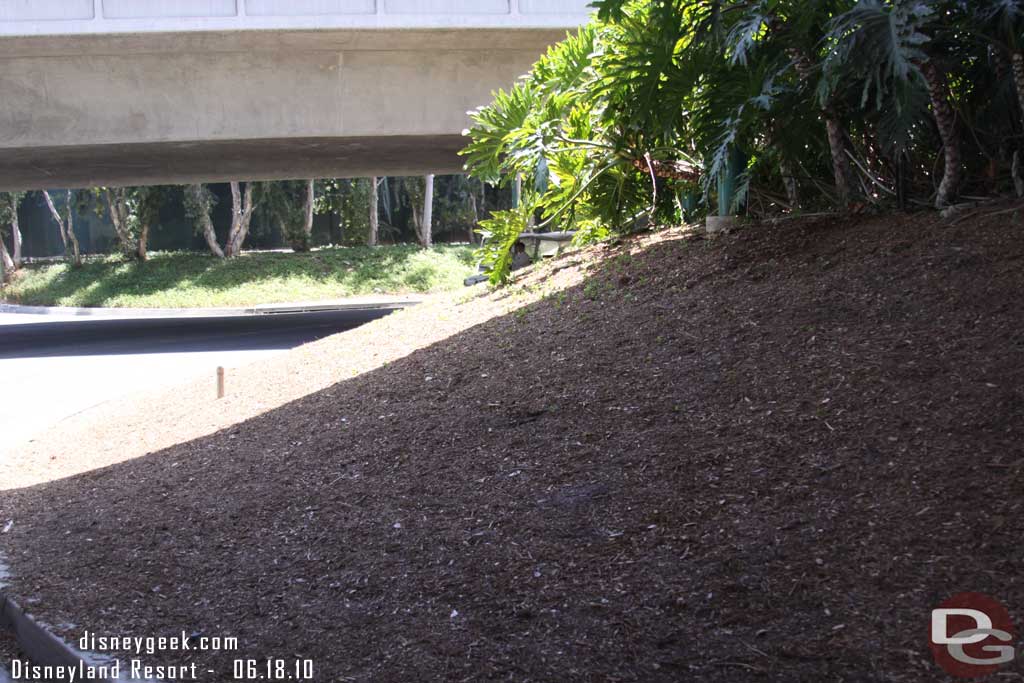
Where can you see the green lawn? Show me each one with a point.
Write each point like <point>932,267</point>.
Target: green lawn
<point>185,280</point>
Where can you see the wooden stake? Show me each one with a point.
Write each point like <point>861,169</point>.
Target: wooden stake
<point>220,383</point>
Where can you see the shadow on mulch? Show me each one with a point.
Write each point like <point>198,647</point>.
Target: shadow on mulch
<point>766,457</point>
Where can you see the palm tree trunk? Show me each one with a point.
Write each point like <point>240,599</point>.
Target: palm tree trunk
<point>945,119</point>
<point>371,239</point>
<point>834,125</point>
<point>840,166</point>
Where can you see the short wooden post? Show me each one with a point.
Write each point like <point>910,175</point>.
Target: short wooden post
<point>220,383</point>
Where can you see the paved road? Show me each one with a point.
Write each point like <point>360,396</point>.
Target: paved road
<point>53,370</point>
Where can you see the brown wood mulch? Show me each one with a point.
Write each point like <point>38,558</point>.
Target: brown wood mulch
<point>763,457</point>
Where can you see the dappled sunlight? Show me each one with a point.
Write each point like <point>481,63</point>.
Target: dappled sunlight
<point>177,279</point>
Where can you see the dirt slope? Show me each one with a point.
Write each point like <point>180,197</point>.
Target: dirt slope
<point>766,457</point>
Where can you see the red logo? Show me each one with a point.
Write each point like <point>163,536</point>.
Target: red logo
<point>971,635</point>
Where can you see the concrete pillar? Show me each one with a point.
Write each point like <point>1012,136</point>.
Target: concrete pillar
<point>728,182</point>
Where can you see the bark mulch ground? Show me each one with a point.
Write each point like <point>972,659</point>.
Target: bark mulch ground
<point>763,457</point>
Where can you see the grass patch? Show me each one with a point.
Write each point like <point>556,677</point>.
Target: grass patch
<point>185,280</point>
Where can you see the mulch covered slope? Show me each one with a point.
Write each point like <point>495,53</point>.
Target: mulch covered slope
<point>764,457</point>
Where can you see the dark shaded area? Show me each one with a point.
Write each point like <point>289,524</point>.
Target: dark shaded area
<point>177,335</point>
<point>167,163</point>
<point>762,458</point>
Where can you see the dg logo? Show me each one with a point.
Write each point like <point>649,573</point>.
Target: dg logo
<point>972,635</point>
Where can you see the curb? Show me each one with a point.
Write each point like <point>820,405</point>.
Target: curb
<point>260,309</point>
<point>41,646</point>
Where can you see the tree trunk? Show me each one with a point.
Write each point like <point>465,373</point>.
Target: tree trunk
<point>118,216</point>
<point>426,236</point>
<point>72,253</point>
<point>1018,77</point>
<point>6,263</point>
<point>945,119</point>
<point>789,181</point>
<point>1015,170</point>
<point>15,232</point>
<point>834,125</point>
<point>307,227</point>
<point>840,166</point>
<point>142,245</point>
<point>241,216</point>
<point>387,201</point>
<point>374,236</point>
<point>203,216</point>
<point>57,217</point>
<point>476,216</point>
<point>69,226</point>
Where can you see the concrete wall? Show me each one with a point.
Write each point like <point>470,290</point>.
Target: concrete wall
<point>130,92</point>
<point>79,108</point>
<point>49,17</point>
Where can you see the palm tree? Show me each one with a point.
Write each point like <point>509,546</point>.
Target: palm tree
<point>1002,23</point>
<point>885,45</point>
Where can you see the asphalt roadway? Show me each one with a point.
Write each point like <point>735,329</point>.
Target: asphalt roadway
<point>50,371</point>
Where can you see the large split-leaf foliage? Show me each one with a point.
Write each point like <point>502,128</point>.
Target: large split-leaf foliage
<point>662,109</point>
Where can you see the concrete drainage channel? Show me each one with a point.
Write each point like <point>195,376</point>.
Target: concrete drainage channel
<point>44,649</point>
<point>369,303</point>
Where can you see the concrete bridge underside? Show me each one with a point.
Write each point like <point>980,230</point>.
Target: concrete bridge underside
<point>204,99</point>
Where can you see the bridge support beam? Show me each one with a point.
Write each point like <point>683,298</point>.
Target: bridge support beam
<point>175,108</point>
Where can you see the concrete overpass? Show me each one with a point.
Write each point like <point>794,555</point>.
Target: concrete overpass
<point>115,92</point>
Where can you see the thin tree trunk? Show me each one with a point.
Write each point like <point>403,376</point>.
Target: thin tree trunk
<point>387,201</point>
<point>205,221</point>
<point>428,212</point>
<point>15,232</point>
<point>834,125</point>
<point>241,216</point>
<point>6,263</point>
<point>1018,77</point>
<point>374,236</point>
<point>1017,59</point>
<point>840,167</point>
<point>1015,171</point>
<point>945,119</point>
<point>72,252</point>
<point>115,205</point>
<point>236,220</point>
<point>417,221</point>
<point>307,227</point>
<point>57,217</point>
<point>142,245</point>
<point>476,216</point>
<point>69,226</point>
<point>790,183</point>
